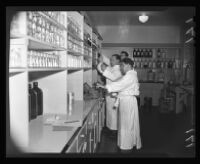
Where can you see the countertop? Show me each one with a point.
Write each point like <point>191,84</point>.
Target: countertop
<point>44,139</point>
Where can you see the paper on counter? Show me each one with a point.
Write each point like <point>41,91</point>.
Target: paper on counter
<point>65,125</point>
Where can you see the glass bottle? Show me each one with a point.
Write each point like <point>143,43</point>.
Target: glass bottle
<point>158,53</point>
<point>29,103</point>
<point>33,103</point>
<point>39,97</point>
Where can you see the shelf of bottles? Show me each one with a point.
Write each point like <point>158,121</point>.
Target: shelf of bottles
<point>46,27</point>
<point>74,61</point>
<point>40,59</point>
<point>154,59</point>
<point>74,41</point>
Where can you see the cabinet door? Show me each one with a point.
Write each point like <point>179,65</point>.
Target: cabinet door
<point>90,138</point>
<point>82,137</point>
<point>73,147</point>
<point>99,125</point>
<point>95,129</point>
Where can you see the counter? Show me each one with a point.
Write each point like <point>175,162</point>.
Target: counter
<point>44,139</point>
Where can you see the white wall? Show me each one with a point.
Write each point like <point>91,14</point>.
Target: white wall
<point>140,34</point>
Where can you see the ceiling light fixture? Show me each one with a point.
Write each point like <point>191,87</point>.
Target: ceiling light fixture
<point>143,18</point>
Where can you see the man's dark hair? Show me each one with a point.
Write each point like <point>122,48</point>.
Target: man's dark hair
<point>126,53</point>
<point>118,57</point>
<point>128,61</point>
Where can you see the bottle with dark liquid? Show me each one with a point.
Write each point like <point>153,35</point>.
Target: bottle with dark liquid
<point>133,53</point>
<point>32,103</point>
<point>39,98</point>
<point>142,53</point>
<point>29,102</point>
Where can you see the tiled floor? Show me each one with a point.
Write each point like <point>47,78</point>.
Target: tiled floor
<point>163,135</point>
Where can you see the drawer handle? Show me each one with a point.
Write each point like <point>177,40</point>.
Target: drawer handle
<point>82,135</point>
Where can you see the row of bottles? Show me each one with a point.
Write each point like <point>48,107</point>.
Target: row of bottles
<point>56,16</point>
<point>35,101</point>
<point>74,44</point>
<point>44,30</point>
<point>43,59</point>
<point>156,63</point>
<point>15,59</point>
<point>73,27</point>
<point>161,53</point>
<point>148,53</point>
<point>77,62</point>
<point>87,63</point>
<point>74,61</point>
<point>155,76</point>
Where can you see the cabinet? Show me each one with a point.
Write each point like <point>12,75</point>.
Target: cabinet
<point>73,147</point>
<point>164,63</point>
<point>88,136</point>
<point>47,47</point>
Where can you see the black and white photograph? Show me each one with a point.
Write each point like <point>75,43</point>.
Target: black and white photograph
<point>98,82</point>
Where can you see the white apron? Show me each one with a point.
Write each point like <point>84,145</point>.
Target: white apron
<point>129,126</point>
<point>111,74</point>
<point>111,114</point>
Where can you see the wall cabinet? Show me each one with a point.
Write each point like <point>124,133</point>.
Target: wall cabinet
<point>47,47</point>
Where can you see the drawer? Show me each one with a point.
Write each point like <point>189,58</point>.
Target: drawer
<point>82,136</point>
<point>73,147</point>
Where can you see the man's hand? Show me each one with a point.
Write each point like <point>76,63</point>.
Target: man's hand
<point>98,85</point>
<point>103,67</point>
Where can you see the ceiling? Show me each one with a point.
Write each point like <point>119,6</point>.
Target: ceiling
<point>157,16</point>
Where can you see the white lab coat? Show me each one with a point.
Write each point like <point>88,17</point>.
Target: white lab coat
<point>128,127</point>
<point>111,74</point>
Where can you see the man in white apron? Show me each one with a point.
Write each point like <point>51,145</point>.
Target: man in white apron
<point>111,73</point>
<point>127,88</point>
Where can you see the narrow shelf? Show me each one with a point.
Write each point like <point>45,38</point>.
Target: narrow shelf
<point>74,36</point>
<point>53,21</point>
<point>74,53</point>
<point>46,69</point>
<point>15,35</point>
<point>86,68</point>
<point>15,70</point>
<point>74,68</point>
<point>36,44</point>
<point>159,68</point>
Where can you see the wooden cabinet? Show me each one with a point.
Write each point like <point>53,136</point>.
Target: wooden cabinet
<point>73,147</point>
<point>89,135</point>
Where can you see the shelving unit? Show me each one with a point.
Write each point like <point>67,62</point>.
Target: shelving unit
<point>67,75</point>
<point>161,60</point>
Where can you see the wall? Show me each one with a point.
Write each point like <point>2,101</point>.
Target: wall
<point>140,34</point>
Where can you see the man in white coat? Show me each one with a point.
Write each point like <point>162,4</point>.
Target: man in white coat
<point>111,73</point>
<point>127,88</point>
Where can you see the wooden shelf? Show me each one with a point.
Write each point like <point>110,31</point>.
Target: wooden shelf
<point>53,21</point>
<point>74,53</point>
<point>75,36</point>
<point>36,44</point>
<point>15,70</point>
<point>74,68</point>
<point>46,69</point>
<point>15,36</point>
